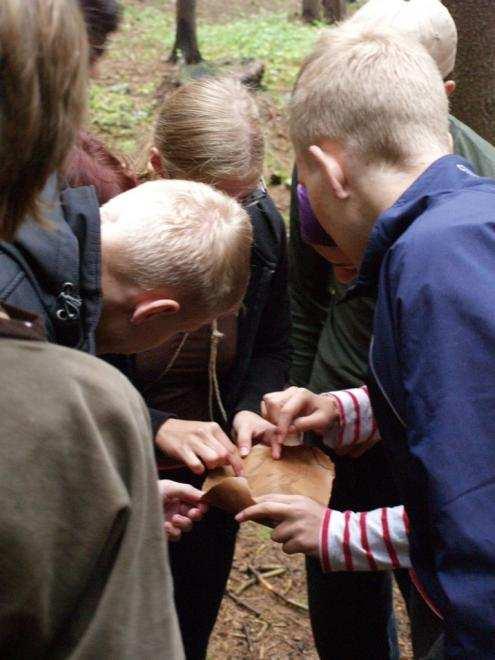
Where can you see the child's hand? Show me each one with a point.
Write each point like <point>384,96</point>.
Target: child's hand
<point>298,520</point>
<point>297,409</point>
<point>198,444</point>
<point>181,506</point>
<point>248,428</point>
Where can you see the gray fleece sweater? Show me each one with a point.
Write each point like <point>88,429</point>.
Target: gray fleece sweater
<point>83,559</point>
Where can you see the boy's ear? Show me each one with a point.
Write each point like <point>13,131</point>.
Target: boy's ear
<point>331,170</point>
<point>157,163</point>
<point>148,309</point>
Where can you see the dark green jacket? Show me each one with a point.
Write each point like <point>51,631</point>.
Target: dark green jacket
<point>330,341</point>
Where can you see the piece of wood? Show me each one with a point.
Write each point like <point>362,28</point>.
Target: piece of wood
<point>269,587</point>
<point>242,603</point>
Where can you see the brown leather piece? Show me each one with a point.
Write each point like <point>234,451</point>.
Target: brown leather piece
<point>302,470</point>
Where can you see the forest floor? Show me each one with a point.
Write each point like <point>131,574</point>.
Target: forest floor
<point>254,622</point>
<point>124,98</point>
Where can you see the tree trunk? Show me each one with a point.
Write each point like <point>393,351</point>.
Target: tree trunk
<point>311,10</point>
<point>334,10</point>
<point>474,100</point>
<point>185,36</point>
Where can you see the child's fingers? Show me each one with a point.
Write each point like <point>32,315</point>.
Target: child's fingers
<point>273,403</point>
<point>292,409</point>
<point>173,534</point>
<point>245,439</point>
<point>276,443</point>
<point>182,522</point>
<point>183,492</point>
<point>275,511</point>
<point>317,421</point>
<point>192,461</point>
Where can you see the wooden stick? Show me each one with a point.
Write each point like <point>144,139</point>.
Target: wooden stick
<point>241,603</point>
<point>274,572</point>
<point>245,586</point>
<point>247,635</point>
<point>264,627</point>
<point>264,583</point>
<point>270,567</point>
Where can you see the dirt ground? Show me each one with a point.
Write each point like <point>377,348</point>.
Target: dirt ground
<point>255,623</point>
<point>263,615</point>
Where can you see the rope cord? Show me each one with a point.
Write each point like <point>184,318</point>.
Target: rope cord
<point>214,388</point>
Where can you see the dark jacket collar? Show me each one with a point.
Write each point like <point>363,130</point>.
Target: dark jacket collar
<point>445,175</point>
<point>20,324</point>
<point>62,262</point>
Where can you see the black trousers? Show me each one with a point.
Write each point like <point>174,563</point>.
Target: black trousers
<point>351,613</point>
<point>201,563</point>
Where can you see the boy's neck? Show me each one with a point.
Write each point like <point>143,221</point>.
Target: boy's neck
<point>381,187</point>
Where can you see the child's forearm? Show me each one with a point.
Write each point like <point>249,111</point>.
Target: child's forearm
<point>365,541</point>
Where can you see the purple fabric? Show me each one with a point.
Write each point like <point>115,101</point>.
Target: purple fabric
<point>311,230</point>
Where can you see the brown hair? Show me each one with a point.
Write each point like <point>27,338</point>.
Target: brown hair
<point>209,130</point>
<point>43,72</point>
<point>91,163</point>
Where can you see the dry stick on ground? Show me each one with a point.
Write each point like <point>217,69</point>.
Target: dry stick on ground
<point>264,583</point>
<point>275,572</point>
<point>247,635</point>
<point>242,603</point>
<point>264,627</point>
<point>268,572</point>
<point>245,586</point>
<point>288,586</point>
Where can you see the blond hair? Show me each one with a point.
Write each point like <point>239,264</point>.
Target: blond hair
<point>181,235</point>
<point>376,92</point>
<point>44,61</point>
<point>209,130</point>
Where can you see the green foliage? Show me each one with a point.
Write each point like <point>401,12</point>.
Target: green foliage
<point>122,101</point>
<point>273,38</point>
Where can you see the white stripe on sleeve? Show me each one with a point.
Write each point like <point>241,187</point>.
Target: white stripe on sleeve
<point>365,541</point>
<point>357,422</point>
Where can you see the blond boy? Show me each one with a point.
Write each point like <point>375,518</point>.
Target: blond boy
<point>369,121</point>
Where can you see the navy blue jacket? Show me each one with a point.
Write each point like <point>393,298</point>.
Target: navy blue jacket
<point>431,260</point>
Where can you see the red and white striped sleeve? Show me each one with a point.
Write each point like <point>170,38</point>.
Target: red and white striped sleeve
<point>357,425</point>
<point>365,541</point>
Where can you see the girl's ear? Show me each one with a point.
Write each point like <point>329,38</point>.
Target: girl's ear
<point>157,163</point>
